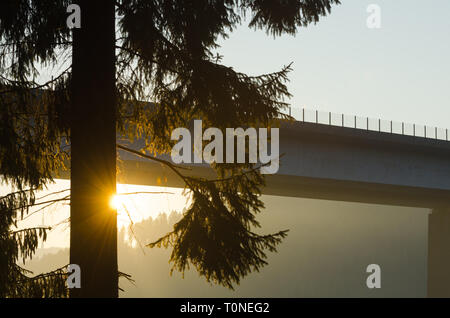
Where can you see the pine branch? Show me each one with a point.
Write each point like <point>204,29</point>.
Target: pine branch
<point>39,228</point>
<point>46,84</point>
<point>66,198</point>
<point>162,161</point>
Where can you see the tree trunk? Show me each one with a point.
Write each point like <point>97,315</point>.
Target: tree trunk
<point>93,234</point>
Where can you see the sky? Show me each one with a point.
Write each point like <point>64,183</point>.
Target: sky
<point>398,72</point>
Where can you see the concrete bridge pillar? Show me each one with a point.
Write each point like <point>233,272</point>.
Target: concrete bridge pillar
<point>439,253</point>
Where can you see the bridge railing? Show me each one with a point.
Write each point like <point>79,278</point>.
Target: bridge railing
<point>367,123</point>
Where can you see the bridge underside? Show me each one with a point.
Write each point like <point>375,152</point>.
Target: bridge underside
<point>153,174</point>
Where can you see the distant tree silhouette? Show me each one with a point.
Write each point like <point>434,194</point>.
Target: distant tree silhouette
<point>162,53</point>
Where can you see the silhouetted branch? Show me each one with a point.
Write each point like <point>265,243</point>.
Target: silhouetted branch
<point>164,162</point>
<point>38,86</point>
<point>41,203</point>
<point>30,229</point>
<point>145,192</point>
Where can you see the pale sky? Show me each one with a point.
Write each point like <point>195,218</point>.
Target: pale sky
<point>399,72</point>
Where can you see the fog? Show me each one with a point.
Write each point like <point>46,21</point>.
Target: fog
<point>326,253</point>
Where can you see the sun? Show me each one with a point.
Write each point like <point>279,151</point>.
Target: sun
<point>115,202</point>
<point>134,203</point>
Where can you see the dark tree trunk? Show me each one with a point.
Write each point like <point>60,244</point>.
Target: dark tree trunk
<point>93,234</point>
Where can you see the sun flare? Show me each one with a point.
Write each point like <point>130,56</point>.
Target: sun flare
<point>134,203</point>
<point>115,203</point>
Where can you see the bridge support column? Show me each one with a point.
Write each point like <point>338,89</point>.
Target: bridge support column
<point>439,253</point>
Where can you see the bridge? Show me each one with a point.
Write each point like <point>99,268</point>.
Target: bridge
<point>349,159</point>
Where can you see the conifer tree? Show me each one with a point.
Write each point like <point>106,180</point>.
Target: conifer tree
<point>127,54</point>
